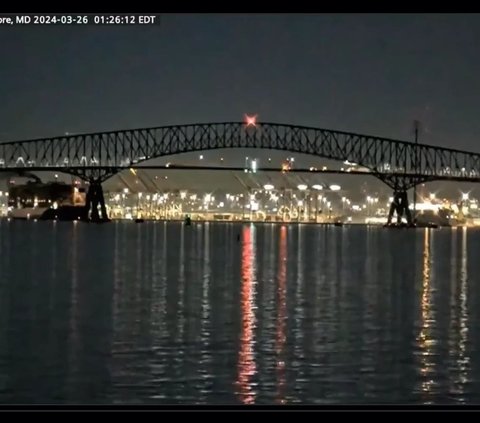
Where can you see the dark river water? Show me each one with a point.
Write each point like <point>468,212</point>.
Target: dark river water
<point>161,313</point>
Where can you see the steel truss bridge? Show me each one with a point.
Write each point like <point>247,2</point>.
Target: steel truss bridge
<point>95,157</point>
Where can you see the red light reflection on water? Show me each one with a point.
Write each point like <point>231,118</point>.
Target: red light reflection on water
<point>246,356</point>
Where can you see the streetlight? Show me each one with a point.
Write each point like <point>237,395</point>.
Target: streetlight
<point>329,206</point>
<point>139,195</point>
<point>254,166</point>
<point>299,209</point>
<point>372,201</point>
<point>319,198</point>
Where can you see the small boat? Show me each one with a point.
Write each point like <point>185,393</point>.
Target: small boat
<point>431,225</point>
<point>338,224</point>
<point>139,220</point>
<point>188,221</point>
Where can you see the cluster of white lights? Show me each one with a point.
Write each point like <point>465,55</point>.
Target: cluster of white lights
<point>334,187</point>
<point>303,187</point>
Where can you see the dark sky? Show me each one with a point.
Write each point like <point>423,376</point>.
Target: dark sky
<point>365,73</point>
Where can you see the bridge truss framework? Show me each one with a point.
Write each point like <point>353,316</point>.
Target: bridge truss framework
<point>96,157</point>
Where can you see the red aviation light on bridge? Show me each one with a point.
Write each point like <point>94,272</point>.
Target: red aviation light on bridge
<point>251,120</point>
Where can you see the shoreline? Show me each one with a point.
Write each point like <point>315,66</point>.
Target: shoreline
<point>196,222</point>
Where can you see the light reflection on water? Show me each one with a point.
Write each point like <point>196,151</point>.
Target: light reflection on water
<point>425,339</point>
<point>231,313</point>
<point>246,355</point>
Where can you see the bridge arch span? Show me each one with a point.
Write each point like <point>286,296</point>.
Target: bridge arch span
<point>98,156</point>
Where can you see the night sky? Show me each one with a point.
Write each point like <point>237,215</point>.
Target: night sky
<point>370,74</point>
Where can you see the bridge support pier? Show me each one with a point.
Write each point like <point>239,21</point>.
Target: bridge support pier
<point>94,201</point>
<point>400,206</point>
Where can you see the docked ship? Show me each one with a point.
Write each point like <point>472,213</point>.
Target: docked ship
<point>52,200</point>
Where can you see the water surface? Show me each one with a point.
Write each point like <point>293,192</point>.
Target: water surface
<point>161,313</point>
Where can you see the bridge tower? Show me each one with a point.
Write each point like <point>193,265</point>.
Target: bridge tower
<point>401,184</point>
<point>95,200</point>
<point>95,209</point>
<point>400,206</point>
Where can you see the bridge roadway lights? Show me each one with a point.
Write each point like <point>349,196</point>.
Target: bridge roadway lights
<point>94,200</point>
<point>400,206</point>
